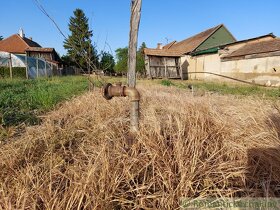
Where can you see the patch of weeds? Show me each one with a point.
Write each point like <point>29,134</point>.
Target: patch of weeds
<point>166,82</point>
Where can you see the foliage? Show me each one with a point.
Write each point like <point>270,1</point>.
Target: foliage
<point>78,44</point>
<point>22,100</point>
<point>140,62</point>
<point>122,56</point>
<point>107,62</point>
<point>1,38</point>
<point>67,60</point>
<point>18,72</point>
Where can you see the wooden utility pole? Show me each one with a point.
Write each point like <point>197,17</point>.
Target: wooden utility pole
<point>132,50</point>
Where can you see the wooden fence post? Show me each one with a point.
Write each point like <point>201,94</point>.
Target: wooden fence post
<point>26,68</point>
<point>11,66</point>
<point>37,68</point>
<point>46,74</point>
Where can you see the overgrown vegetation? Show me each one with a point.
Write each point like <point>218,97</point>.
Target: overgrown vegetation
<point>196,147</point>
<point>122,57</point>
<point>22,100</point>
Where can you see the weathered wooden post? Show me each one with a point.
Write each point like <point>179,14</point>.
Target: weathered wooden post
<point>11,66</point>
<point>26,66</point>
<point>37,68</point>
<point>132,49</point>
<point>46,73</point>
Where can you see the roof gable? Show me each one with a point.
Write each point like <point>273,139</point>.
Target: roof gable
<point>16,44</point>
<point>220,37</point>
<point>190,44</point>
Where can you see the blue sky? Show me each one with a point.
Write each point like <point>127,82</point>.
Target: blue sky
<point>161,20</point>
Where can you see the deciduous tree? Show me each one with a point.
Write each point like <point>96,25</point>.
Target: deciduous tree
<point>107,62</point>
<point>140,62</point>
<point>121,55</point>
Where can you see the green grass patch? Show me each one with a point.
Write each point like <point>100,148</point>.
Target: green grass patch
<point>226,88</point>
<point>166,82</point>
<point>22,100</point>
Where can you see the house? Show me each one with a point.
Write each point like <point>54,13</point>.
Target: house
<point>255,60</point>
<point>170,61</point>
<point>18,44</point>
<point>215,55</point>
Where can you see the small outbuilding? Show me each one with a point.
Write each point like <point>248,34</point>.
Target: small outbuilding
<point>170,60</point>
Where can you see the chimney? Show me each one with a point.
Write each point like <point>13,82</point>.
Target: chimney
<point>159,46</point>
<point>21,33</point>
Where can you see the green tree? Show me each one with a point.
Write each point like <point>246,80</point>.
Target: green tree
<point>140,62</point>
<point>1,38</point>
<point>122,56</point>
<point>66,60</point>
<point>78,44</point>
<point>107,62</point>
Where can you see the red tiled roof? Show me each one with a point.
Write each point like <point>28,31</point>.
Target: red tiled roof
<point>257,48</point>
<point>17,44</point>
<point>185,46</point>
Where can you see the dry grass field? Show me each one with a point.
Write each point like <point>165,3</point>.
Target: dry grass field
<point>188,146</point>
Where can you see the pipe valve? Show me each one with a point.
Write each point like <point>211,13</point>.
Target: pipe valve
<point>118,90</point>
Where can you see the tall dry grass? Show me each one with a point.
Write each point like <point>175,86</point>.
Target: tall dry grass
<point>218,146</point>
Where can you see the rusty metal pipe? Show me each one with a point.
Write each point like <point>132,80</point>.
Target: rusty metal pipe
<point>109,91</point>
<point>132,93</point>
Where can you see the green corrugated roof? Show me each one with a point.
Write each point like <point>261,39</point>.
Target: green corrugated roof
<point>207,51</point>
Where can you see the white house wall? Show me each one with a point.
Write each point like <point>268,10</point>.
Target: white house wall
<point>259,70</point>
